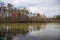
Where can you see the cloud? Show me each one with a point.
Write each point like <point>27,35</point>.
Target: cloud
<point>46,10</point>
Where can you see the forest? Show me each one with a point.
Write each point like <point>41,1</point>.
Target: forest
<point>9,13</point>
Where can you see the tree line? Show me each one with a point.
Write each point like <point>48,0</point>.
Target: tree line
<point>9,13</point>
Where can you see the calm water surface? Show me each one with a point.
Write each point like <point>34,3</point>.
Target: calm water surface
<point>30,31</point>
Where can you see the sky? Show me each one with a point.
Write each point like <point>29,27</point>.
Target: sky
<point>44,7</point>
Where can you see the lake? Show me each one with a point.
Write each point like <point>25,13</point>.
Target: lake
<point>30,31</point>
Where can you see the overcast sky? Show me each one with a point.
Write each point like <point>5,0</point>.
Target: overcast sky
<point>46,7</point>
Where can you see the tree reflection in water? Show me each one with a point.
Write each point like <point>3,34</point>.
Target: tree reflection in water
<point>13,33</point>
<point>50,32</point>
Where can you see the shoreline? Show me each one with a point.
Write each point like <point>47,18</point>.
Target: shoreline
<point>33,22</point>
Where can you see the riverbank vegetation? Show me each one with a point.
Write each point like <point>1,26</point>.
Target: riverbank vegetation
<point>11,14</point>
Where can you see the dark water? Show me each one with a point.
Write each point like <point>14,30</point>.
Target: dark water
<point>30,31</point>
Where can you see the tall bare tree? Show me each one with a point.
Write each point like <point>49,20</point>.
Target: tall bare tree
<point>10,9</point>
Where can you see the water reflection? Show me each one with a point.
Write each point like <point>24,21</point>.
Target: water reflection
<point>49,31</point>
